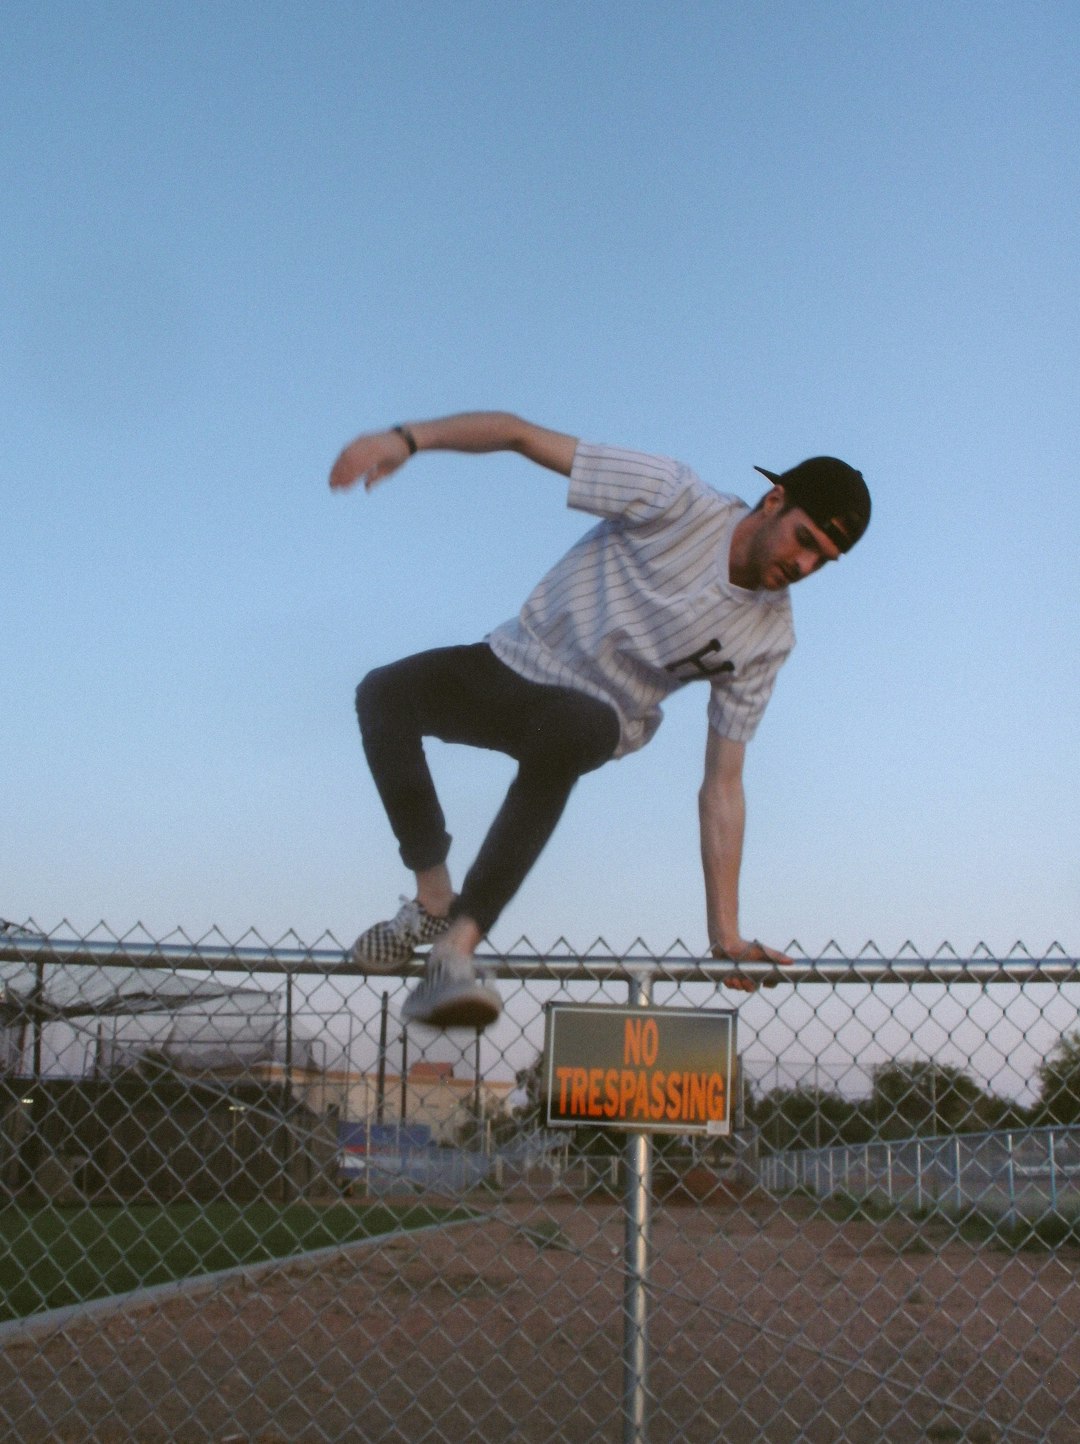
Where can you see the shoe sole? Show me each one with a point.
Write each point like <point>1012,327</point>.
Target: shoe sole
<point>468,1006</point>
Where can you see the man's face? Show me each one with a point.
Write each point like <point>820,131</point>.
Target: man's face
<point>788,546</point>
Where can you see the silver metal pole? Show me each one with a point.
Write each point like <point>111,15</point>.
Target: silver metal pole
<point>889,1172</point>
<point>1051,1145</point>
<point>957,1172</point>
<point>552,967</point>
<point>635,1303</point>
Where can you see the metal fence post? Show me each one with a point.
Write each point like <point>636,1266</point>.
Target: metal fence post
<point>889,1172</point>
<point>380,1076</point>
<point>958,1184</point>
<point>1052,1150</point>
<point>636,1254</point>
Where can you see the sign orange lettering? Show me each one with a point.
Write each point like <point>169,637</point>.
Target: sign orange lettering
<point>650,1042</point>
<point>631,1052</point>
<point>563,1076</point>
<point>641,1042</point>
<point>674,1095</point>
<point>659,1103</point>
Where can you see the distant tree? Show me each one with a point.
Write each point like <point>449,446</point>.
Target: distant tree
<point>921,1096</point>
<point>805,1118</point>
<point>526,1111</point>
<point>471,1132</point>
<point>907,1097</point>
<point>1059,1083</point>
<point>529,1085</point>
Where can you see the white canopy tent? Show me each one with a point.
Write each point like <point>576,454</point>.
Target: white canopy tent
<point>194,1020</point>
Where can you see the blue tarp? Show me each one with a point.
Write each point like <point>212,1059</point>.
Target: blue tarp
<point>361,1138</point>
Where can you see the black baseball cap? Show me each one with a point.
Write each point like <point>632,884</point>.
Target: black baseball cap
<point>833,495</point>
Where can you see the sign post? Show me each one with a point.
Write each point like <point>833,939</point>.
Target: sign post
<point>641,1070</point>
<point>638,1228</point>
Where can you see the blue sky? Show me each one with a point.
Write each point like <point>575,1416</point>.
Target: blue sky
<point>236,235</point>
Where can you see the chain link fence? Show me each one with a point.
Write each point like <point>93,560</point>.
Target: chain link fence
<point>1021,1173</point>
<point>240,1202</point>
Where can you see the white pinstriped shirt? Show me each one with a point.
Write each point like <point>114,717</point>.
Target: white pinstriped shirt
<point>643,603</point>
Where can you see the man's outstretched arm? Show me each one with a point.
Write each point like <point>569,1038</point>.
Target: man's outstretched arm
<point>374,456</point>
<point>722,813</point>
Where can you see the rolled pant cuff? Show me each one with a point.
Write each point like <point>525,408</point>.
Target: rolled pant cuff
<point>422,859</point>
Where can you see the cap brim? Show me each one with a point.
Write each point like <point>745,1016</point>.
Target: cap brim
<point>773,476</point>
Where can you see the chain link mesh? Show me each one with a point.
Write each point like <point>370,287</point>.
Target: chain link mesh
<point>239,1201</point>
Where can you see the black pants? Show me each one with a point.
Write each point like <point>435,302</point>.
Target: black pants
<point>465,694</point>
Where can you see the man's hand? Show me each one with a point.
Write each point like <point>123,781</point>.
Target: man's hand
<point>738,951</point>
<point>370,458</point>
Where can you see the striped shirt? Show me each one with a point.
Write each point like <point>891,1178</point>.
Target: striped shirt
<point>643,603</point>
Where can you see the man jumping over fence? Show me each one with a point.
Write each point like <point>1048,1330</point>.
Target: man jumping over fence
<point>676,584</point>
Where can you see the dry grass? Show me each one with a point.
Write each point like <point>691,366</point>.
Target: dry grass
<point>765,1323</point>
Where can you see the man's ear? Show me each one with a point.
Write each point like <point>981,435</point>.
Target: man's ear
<point>773,501</point>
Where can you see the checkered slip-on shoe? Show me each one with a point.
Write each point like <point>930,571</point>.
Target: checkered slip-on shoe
<point>451,994</point>
<point>388,946</point>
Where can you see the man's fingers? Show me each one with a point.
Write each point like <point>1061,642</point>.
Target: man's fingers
<point>751,952</point>
<point>341,475</point>
<point>771,955</point>
<point>758,953</point>
<point>781,960</point>
<point>348,469</point>
<point>370,458</point>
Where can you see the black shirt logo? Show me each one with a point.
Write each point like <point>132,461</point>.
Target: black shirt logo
<point>696,664</point>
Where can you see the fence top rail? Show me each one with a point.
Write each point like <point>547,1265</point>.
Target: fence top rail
<point>1008,1136</point>
<point>556,966</point>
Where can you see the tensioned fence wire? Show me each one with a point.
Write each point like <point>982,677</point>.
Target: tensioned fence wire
<point>199,1105</point>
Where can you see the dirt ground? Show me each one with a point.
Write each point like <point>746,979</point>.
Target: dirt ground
<point>766,1322</point>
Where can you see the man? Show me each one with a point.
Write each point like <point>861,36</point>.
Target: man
<point>676,584</point>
